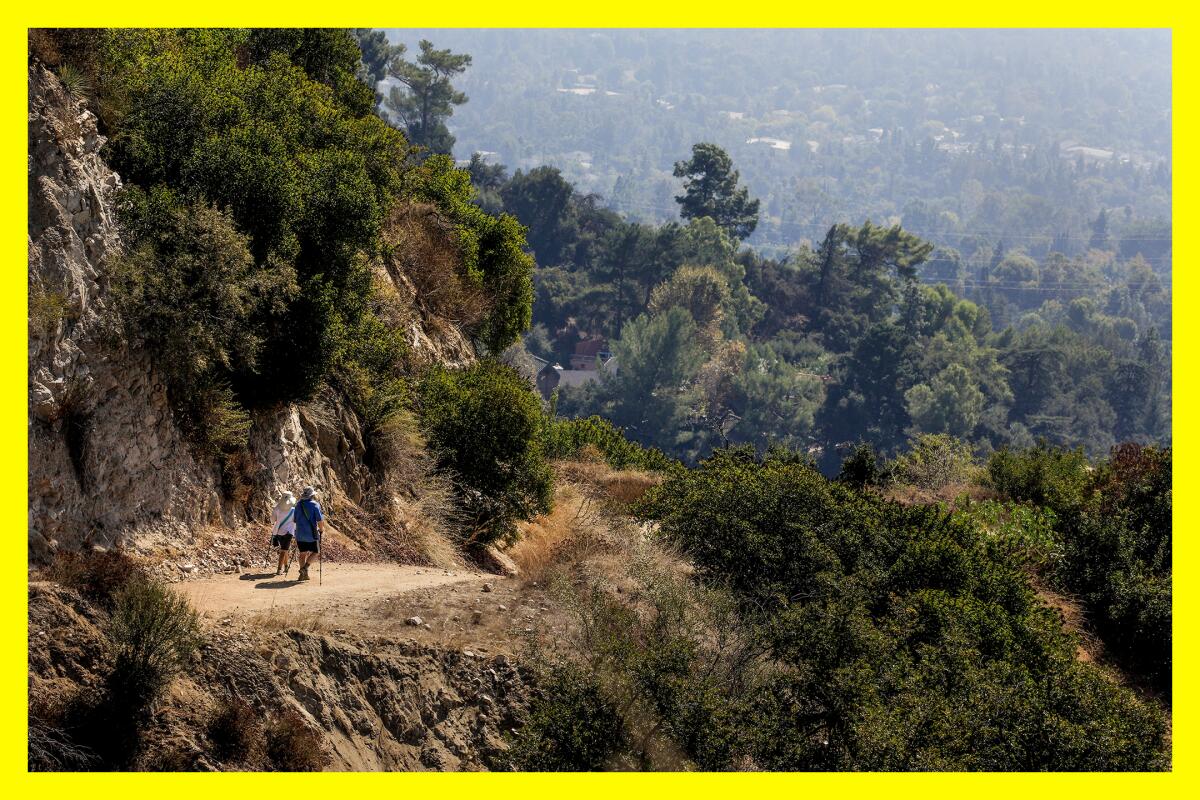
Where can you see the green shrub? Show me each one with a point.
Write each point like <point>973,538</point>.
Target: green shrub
<point>863,468</point>
<point>571,726</point>
<point>678,661</point>
<point>47,310</point>
<point>327,55</point>
<point>214,419</point>
<point>1042,475</point>
<point>767,528</point>
<point>565,438</point>
<point>934,461</point>
<point>370,369</point>
<point>1114,523</point>
<point>191,289</point>
<point>909,637</point>
<point>1017,533</point>
<point>1118,558</point>
<point>153,633</point>
<point>484,423</point>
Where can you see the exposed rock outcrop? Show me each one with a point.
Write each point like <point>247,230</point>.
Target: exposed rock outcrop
<point>105,456</point>
<point>108,462</point>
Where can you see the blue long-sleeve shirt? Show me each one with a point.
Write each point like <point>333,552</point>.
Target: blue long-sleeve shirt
<point>308,514</point>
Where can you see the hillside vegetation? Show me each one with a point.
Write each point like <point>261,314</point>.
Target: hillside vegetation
<point>959,272</point>
<point>967,137</point>
<point>776,619</point>
<point>822,515</point>
<point>865,336</point>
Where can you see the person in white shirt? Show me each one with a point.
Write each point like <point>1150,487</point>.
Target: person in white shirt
<point>283,528</point>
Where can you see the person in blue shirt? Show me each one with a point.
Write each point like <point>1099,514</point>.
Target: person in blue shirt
<point>309,527</point>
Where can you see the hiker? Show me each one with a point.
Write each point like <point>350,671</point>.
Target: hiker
<point>283,528</point>
<point>309,528</point>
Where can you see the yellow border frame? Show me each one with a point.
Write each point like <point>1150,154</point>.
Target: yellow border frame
<point>543,13</point>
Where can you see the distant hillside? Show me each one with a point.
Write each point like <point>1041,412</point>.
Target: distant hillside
<point>963,133</point>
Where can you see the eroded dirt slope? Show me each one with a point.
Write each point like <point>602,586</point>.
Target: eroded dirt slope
<point>377,701</point>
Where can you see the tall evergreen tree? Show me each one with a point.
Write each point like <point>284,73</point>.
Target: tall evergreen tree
<point>377,54</point>
<point>427,98</point>
<point>710,189</point>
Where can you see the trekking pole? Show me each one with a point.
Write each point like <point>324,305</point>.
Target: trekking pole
<point>320,562</point>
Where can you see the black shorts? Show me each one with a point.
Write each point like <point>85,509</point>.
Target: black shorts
<point>307,547</point>
<point>281,540</point>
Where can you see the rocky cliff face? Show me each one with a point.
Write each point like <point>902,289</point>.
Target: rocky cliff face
<point>370,703</point>
<point>105,457</point>
<point>108,464</point>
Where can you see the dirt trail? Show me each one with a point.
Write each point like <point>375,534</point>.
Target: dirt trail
<point>347,590</point>
<point>459,609</point>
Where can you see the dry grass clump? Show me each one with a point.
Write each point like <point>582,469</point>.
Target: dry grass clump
<point>628,485</point>
<point>413,503</point>
<point>545,540</point>
<point>423,254</point>
<point>950,494</point>
<point>655,651</point>
<point>51,748</point>
<point>43,45</point>
<point>97,576</point>
<point>409,521</point>
<point>622,486</point>
<point>283,620</point>
<point>293,746</point>
<point>586,533</point>
<point>235,731</point>
<point>426,518</point>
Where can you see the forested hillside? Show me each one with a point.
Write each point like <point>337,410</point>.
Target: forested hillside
<point>868,335</point>
<point>848,500</point>
<point>965,137</point>
<point>1025,294</point>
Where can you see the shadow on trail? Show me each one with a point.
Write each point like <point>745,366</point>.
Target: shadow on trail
<point>277,584</point>
<point>256,576</point>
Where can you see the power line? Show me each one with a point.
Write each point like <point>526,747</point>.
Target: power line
<point>1015,286</point>
<point>821,228</point>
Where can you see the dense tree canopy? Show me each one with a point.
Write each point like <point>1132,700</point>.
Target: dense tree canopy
<point>864,336</point>
<point>909,638</point>
<point>964,137</point>
<point>260,178</point>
